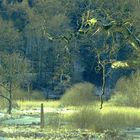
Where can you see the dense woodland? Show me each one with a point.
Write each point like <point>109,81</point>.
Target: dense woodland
<point>49,45</point>
<point>69,69</point>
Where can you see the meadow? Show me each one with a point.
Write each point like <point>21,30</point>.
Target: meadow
<point>71,122</point>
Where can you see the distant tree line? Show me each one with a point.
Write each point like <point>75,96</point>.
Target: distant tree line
<point>70,41</point>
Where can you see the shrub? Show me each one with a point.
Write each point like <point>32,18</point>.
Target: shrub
<point>79,94</point>
<point>127,91</point>
<point>120,100</point>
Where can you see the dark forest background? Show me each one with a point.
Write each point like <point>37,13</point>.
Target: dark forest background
<point>45,37</point>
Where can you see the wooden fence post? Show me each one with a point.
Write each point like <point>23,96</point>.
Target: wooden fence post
<point>42,122</point>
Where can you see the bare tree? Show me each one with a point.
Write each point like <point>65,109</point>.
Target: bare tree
<point>12,71</point>
<point>116,29</point>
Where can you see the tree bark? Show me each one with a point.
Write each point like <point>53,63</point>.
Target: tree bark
<point>103,86</point>
<point>10,100</point>
<point>9,110</point>
<point>10,107</point>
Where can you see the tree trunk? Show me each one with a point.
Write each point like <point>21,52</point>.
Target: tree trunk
<point>10,100</point>
<point>10,107</point>
<point>103,86</point>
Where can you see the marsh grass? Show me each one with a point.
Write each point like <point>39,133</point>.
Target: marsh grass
<point>87,116</point>
<point>107,118</point>
<point>53,120</point>
<point>127,91</point>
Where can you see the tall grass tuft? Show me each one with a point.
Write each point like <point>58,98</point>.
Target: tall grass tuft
<point>127,91</point>
<point>86,118</point>
<point>109,118</point>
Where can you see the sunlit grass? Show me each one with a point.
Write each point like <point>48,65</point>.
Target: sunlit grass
<point>35,104</point>
<point>110,117</point>
<point>86,116</point>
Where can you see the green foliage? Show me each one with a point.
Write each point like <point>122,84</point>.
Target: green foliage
<point>79,94</point>
<point>127,91</point>
<point>120,100</point>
